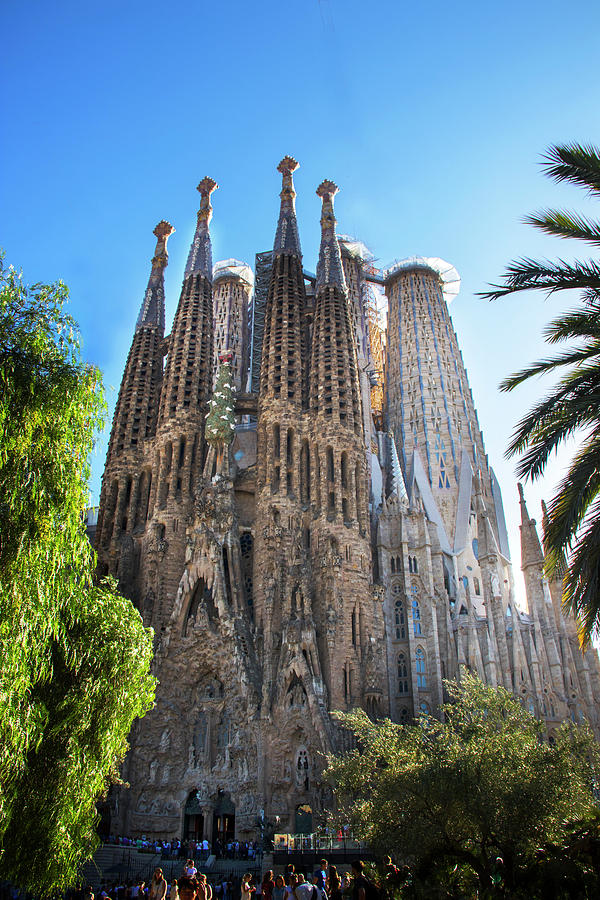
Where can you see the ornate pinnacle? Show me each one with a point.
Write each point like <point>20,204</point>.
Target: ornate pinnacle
<point>206,187</point>
<point>287,167</point>
<point>162,231</point>
<point>287,239</point>
<point>200,256</point>
<point>327,191</point>
<point>329,268</point>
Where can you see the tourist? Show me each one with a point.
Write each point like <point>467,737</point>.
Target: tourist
<point>290,884</point>
<point>279,891</point>
<point>158,886</point>
<point>334,884</point>
<point>204,888</point>
<point>187,888</point>
<point>267,885</point>
<point>190,869</point>
<point>247,888</point>
<point>303,890</point>
<point>174,892</point>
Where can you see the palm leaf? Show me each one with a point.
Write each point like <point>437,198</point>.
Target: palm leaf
<point>566,225</point>
<point>581,585</point>
<point>577,163</point>
<point>529,274</point>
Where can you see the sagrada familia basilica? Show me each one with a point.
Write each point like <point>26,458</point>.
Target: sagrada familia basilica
<point>298,500</point>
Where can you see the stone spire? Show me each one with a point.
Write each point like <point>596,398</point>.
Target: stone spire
<point>334,388</point>
<point>287,239</point>
<point>329,268</point>
<point>152,311</point>
<point>531,550</point>
<point>200,256</point>
<point>283,355</point>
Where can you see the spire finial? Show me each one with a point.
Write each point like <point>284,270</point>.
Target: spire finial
<point>205,188</point>
<point>327,191</point>
<point>163,231</point>
<point>329,268</point>
<point>287,167</point>
<point>287,239</point>
<point>200,257</point>
<point>152,311</point>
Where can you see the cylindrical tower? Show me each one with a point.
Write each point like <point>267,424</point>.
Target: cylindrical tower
<point>431,413</point>
<point>232,288</point>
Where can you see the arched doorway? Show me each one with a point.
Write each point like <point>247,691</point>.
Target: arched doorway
<point>193,819</point>
<point>304,819</point>
<point>224,819</point>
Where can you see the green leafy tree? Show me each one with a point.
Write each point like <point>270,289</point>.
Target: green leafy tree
<point>74,655</point>
<point>468,801</point>
<point>572,407</point>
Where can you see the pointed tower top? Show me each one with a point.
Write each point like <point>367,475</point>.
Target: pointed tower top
<point>152,311</point>
<point>329,268</point>
<point>163,231</point>
<point>200,256</point>
<point>531,549</point>
<point>287,239</point>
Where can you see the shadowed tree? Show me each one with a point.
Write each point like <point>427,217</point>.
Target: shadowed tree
<point>572,406</point>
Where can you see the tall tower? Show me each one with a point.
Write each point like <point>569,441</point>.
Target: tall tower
<point>431,414</point>
<point>349,621</point>
<point>127,479</point>
<point>179,447</point>
<point>232,289</point>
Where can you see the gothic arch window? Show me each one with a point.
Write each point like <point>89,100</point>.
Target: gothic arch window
<point>424,708</point>
<point>421,668</point>
<point>402,674</point>
<point>476,586</point>
<point>393,566</point>
<point>400,620</point>
<point>404,716</point>
<point>475,545</point>
<point>416,612</point>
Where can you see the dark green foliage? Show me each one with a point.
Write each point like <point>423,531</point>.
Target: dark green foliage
<point>452,798</point>
<point>74,655</point>
<point>572,407</point>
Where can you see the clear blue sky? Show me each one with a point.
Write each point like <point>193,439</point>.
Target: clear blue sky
<point>430,116</point>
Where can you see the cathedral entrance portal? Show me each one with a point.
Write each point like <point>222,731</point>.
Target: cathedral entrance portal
<point>193,819</point>
<point>224,819</point>
<point>304,819</point>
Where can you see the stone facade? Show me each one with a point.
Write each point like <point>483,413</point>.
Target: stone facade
<point>304,554</point>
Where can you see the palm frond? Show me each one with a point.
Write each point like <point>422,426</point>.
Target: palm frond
<point>565,224</point>
<point>581,585</point>
<point>544,366</point>
<point>529,275</point>
<point>574,497</point>
<point>578,323</point>
<point>578,163</point>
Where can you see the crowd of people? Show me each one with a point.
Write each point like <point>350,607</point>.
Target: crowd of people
<point>197,849</point>
<point>324,883</point>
